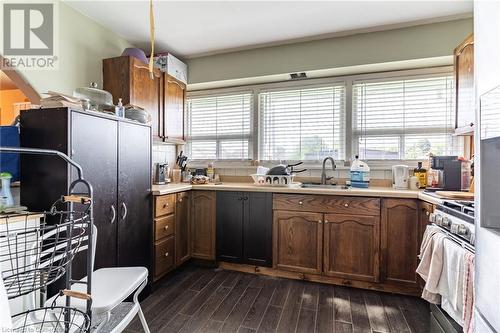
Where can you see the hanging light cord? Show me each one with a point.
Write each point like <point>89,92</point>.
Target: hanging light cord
<point>152,38</point>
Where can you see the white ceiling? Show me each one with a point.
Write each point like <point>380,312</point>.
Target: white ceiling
<point>193,28</point>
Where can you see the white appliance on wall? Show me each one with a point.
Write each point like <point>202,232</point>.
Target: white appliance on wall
<point>400,175</point>
<point>169,64</point>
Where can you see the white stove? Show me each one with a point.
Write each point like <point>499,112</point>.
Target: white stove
<point>457,217</point>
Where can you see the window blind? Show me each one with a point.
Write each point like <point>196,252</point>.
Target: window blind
<point>302,124</point>
<point>219,127</point>
<point>403,118</point>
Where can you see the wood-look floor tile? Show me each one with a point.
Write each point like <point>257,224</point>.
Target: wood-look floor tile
<point>397,321</point>
<point>290,315</point>
<point>310,296</point>
<point>229,302</point>
<point>256,311</point>
<point>270,320</point>
<point>306,321</point>
<point>212,326</point>
<point>195,304</point>
<point>281,292</point>
<point>342,304</point>
<point>341,327</point>
<point>176,324</point>
<point>169,312</point>
<point>414,309</point>
<point>376,313</point>
<point>243,329</point>
<point>240,310</point>
<point>203,281</point>
<point>324,318</point>
<point>360,321</point>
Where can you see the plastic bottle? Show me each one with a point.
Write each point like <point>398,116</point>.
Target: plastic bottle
<point>6,198</point>
<point>360,174</point>
<point>120,109</point>
<point>210,170</point>
<point>421,175</point>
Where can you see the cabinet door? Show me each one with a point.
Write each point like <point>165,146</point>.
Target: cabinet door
<point>425,210</point>
<point>134,196</point>
<point>146,93</point>
<point>298,241</point>
<point>229,214</point>
<point>94,147</point>
<point>175,93</point>
<point>182,236</point>
<point>351,247</point>
<point>464,81</point>
<point>203,225</point>
<point>399,240</point>
<point>258,228</point>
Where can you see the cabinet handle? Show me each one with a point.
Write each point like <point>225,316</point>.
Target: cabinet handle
<point>301,202</point>
<point>113,217</point>
<point>125,211</point>
<point>427,213</point>
<point>166,254</point>
<point>245,198</point>
<point>166,227</point>
<point>180,199</point>
<point>165,205</point>
<point>320,222</point>
<point>346,205</point>
<point>326,221</point>
<point>240,198</point>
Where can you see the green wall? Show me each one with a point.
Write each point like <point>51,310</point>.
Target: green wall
<point>83,44</point>
<point>423,41</point>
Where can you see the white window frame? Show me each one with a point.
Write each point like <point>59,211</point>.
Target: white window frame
<point>346,80</point>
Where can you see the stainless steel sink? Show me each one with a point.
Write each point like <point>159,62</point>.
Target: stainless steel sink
<point>328,186</point>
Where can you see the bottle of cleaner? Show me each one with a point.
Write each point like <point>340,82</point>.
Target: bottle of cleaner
<point>360,174</point>
<point>120,109</point>
<point>6,198</point>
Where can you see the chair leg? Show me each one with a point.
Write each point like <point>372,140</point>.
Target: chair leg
<point>139,312</point>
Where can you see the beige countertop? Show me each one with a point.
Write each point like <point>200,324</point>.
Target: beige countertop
<point>385,192</point>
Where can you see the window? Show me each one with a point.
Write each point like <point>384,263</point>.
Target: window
<point>403,118</point>
<point>302,124</point>
<point>219,127</point>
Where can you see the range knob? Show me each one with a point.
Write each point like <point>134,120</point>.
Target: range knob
<point>446,222</point>
<point>472,238</point>
<point>462,230</point>
<point>432,217</point>
<point>438,219</point>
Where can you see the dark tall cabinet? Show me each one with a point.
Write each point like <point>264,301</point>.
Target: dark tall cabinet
<point>115,155</point>
<point>244,227</point>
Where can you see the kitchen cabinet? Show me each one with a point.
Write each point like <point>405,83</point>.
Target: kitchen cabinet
<point>464,86</point>
<point>175,97</point>
<point>128,78</point>
<point>298,241</point>
<point>162,96</point>
<point>115,155</point>
<point>351,246</point>
<point>182,230</point>
<point>203,224</point>
<point>425,210</point>
<point>400,235</point>
<point>244,228</point>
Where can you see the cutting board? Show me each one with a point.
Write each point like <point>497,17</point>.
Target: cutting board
<point>456,195</point>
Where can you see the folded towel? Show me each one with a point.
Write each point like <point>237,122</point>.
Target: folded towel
<point>5,320</point>
<point>429,232</point>
<point>450,285</point>
<point>468,293</point>
<point>431,265</point>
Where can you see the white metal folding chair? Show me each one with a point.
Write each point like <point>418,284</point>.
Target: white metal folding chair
<point>110,288</point>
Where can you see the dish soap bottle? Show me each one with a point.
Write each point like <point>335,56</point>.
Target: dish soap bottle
<point>6,199</point>
<point>360,174</point>
<point>120,109</point>
<point>421,175</point>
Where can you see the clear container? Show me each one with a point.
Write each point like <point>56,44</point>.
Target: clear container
<point>466,175</point>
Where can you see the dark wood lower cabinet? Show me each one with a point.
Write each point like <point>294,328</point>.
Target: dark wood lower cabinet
<point>351,246</point>
<point>400,235</point>
<point>298,241</point>
<point>244,228</point>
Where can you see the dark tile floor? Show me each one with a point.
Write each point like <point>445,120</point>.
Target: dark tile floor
<point>195,299</point>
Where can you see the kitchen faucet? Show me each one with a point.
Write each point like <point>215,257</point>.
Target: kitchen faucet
<point>323,172</point>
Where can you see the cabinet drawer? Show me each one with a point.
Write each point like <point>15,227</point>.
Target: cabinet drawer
<point>327,204</point>
<point>164,204</point>
<point>164,256</point>
<point>164,226</point>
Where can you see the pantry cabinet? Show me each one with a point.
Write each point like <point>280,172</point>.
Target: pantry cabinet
<point>244,228</point>
<point>400,235</point>
<point>298,241</point>
<point>161,95</point>
<point>351,246</point>
<point>203,224</point>
<point>182,228</point>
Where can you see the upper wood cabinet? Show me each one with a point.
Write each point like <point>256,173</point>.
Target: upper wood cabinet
<point>464,86</point>
<point>203,224</point>
<point>162,95</point>
<point>400,235</point>
<point>175,96</point>
<point>298,241</point>
<point>351,246</point>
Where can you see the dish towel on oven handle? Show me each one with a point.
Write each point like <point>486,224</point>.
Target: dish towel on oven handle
<point>5,320</point>
<point>431,263</point>
<point>468,293</point>
<point>451,283</point>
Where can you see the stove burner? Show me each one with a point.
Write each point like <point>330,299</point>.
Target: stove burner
<point>464,207</point>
